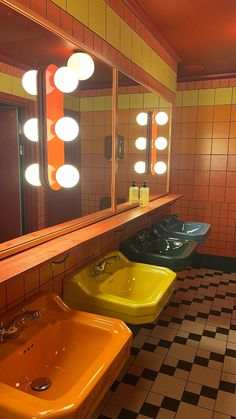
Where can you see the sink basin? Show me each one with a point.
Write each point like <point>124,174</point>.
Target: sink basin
<point>152,247</point>
<point>188,230</point>
<point>133,292</point>
<point>79,352</point>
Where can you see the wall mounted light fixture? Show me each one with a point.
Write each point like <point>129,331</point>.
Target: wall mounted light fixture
<point>151,143</point>
<point>51,128</point>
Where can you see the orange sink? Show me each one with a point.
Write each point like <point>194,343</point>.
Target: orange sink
<point>80,353</point>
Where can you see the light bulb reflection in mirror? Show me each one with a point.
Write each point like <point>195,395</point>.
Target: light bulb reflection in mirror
<point>30,129</point>
<point>161,118</point>
<point>161,143</point>
<point>66,128</point>
<point>82,64</point>
<point>160,167</point>
<point>66,79</point>
<point>142,119</point>
<point>139,167</point>
<point>32,174</point>
<point>140,143</point>
<point>67,176</point>
<point>29,82</point>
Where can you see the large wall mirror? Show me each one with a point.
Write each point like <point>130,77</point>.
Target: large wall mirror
<point>135,101</point>
<point>27,45</point>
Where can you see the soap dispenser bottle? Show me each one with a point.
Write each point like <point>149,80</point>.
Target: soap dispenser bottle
<point>133,193</point>
<point>144,195</point>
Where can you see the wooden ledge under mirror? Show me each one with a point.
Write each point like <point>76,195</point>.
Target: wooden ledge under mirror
<point>31,215</point>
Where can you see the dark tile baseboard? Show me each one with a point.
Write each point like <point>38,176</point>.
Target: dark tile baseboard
<point>221,263</point>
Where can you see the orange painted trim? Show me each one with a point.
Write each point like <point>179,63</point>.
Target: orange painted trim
<point>19,263</point>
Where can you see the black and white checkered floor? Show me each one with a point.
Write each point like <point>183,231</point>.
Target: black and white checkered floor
<point>182,366</point>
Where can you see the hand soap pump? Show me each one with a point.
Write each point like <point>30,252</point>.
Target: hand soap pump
<point>144,195</point>
<point>133,193</point>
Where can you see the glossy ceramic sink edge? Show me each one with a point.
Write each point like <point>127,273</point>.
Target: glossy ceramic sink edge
<point>83,291</point>
<point>88,389</point>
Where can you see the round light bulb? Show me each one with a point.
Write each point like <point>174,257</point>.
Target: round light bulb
<point>66,128</point>
<point>140,143</point>
<point>161,143</point>
<point>161,118</point>
<point>160,167</point>
<point>67,176</point>
<point>32,174</point>
<point>139,167</point>
<point>142,119</point>
<point>83,64</point>
<point>30,129</point>
<point>29,82</point>
<point>66,79</point>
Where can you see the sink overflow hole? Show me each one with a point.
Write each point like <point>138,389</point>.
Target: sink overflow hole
<point>28,349</point>
<point>41,384</point>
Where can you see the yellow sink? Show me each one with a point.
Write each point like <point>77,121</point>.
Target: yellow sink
<point>114,286</point>
<point>80,353</point>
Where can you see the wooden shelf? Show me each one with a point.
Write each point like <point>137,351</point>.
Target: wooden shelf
<point>31,258</point>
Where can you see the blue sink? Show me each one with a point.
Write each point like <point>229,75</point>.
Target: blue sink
<point>159,249</point>
<point>188,230</point>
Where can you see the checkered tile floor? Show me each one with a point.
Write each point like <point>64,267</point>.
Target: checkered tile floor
<point>183,366</point>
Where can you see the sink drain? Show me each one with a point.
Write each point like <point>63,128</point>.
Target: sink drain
<point>41,384</point>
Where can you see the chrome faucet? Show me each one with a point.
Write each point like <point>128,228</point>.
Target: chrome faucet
<point>13,329</point>
<point>100,267</point>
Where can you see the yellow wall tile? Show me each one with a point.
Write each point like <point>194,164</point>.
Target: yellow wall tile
<point>223,96</point>
<point>153,63</point>
<point>190,98</point>
<point>136,49</point>
<point>136,101</point>
<point>206,97</point>
<point>97,17</point>
<point>60,3</point>
<point>86,104</point>
<point>146,57</point>
<point>79,9</point>
<point>99,103</point>
<point>112,27</point>
<point>125,39</point>
<point>164,103</point>
<point>5,83</point>
<point>151,100</point>
<point>108,103</point>
<point>234,96</point>
<point>17,88</point>
<point>123,101</point>
<point>179,98</point>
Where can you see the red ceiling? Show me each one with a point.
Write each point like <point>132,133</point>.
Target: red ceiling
<point>202,32</point>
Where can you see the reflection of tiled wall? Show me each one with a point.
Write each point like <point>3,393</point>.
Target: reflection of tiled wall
<point>203,164</point>
<point>20,288</point>
<point>116,33</point>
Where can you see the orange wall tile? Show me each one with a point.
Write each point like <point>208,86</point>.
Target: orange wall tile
<point>203,167</point>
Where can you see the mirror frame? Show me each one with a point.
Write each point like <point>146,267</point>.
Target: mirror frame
<point>35,238</point>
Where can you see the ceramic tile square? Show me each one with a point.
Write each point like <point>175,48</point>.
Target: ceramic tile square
<point>186,353</point>
<point>204,375</point>
<point>169,386</point>
<point>129,397</point>
<point>225,403</point>
<point>149,360</point>
<point>187,411</point>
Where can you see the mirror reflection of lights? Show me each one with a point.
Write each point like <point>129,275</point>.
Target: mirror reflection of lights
<point>66,79</point>
<point>142,119</point>
<point>82,64</point>
<point>32,174</point>
<point>161,118</point>
<point>141,143</point>
<point>161,143</point>
<point>160,167</point>
<point>66,128</point>
<point>29,82</point>
<point>30,129</point>
<point>67,176</point>
<point>140,167</point>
